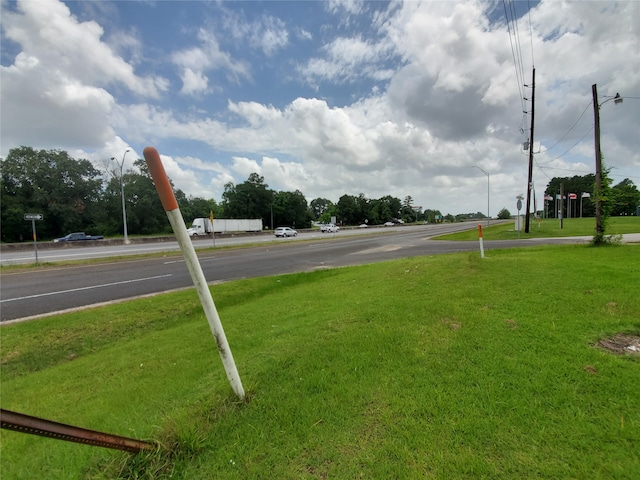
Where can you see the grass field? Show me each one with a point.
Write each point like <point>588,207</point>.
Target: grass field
<point>434,367</point>
<point>550,228</point>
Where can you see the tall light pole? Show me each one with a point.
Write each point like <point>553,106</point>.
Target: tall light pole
<point>124,211</point>
<point>599,236</point>
<point>487,174</point>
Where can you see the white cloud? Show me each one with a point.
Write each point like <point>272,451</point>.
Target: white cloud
<point>347,60</point>
<point>445,98</point>
<point>195,61</point>
<point>266,33</point>
<point>55,93</point>
<point>193,82</point>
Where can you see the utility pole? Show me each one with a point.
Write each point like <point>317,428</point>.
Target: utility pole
<point>598,195</point>
<point>530,178</point>
<point>561,203</point>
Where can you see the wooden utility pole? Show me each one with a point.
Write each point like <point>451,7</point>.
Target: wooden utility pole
<point>561,203</point>
<point>598,193</point>
<point>530,180</point>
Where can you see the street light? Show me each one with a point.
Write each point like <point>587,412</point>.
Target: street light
<point>487,174</point>
<point>599,237</point>
<point>124,211</point>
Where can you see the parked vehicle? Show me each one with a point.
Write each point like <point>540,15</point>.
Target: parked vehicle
<point>329,227</point>
<point>389,224</point>
<point>78,236</point>
<point>285,232</point>
<point>204,226</point>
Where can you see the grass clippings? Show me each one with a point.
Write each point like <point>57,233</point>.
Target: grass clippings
<point>621,344</point>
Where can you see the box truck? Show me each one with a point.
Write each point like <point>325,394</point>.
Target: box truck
<point>204,226</point>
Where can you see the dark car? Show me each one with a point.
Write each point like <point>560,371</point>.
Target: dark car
<point>77,236</point>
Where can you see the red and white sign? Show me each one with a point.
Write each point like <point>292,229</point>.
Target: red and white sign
<point>573,196</point>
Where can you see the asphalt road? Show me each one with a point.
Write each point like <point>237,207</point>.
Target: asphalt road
<point>39,292</point>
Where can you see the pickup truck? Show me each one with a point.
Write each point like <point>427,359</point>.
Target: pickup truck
<point>77,236</point>
<point>329,227</point>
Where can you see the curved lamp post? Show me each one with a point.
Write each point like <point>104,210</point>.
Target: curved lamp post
<point>599,236</point>
<point>487,174</point>
<point>124,211</point>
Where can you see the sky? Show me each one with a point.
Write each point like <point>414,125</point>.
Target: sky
<point>432,100</point>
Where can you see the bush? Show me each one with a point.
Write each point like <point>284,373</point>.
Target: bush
<point>504,214</point>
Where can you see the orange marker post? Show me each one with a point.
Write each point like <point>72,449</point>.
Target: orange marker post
<point>480,240</point>
<point>170,206</point>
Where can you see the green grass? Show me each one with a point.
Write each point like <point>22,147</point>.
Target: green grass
<point>433,367</point>
<point>549,228</point>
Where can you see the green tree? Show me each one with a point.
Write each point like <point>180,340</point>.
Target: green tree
<point>319,206</point>
<point>407,214</point>
<point>379,212</point>
<point>625,198</point>
<point>432,216</point>
<point>198,207</point>
<point>250,199</point>
<point>65,190</point>
<point>145,213</point>
<point>393,207</point>
<point>576,184</point>
<point>109,222</point>
<point>347,210</point>
<point>290,208</point>
<point>504,214</point>
<point>331,211</point>
<point>363,209</point>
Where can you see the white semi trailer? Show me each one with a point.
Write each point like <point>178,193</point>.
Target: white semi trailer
<point>204,226</point>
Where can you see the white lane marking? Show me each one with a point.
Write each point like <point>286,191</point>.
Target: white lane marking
<point>84,288</point>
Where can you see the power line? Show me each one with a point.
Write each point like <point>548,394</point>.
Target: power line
<point>530,31</point>
<point>569,131</point>
<point>571,147</point>
<point>519,77</point>
<point>610,174</point>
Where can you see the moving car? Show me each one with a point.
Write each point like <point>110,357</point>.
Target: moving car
<point>285,232</point>
<point>77,236</point>
<point>329,227</point>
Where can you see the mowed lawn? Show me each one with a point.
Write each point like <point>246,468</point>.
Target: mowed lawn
<point>444,367</point>
<point>550,228</point>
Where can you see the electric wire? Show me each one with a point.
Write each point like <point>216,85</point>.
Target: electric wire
<point>519,79</point>
<point>517,37</point>
<point>568,132</point>
<point>530,32</point>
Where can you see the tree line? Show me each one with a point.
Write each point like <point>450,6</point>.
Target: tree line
<point>74,195</point>
<point>620,199</point>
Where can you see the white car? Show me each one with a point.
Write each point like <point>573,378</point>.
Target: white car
<point>329,227</point>
<point>285,232</point>
<point>389,224</point>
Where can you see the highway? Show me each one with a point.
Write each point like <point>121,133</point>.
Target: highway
<point>31,293</point>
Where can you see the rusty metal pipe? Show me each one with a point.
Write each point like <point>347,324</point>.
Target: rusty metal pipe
<point>46,428</point>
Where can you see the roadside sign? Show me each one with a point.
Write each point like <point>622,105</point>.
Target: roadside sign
<point>33,217</point>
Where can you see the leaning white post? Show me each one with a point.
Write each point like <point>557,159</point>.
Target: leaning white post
<point>170,206</point>
<point>480,240</point>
